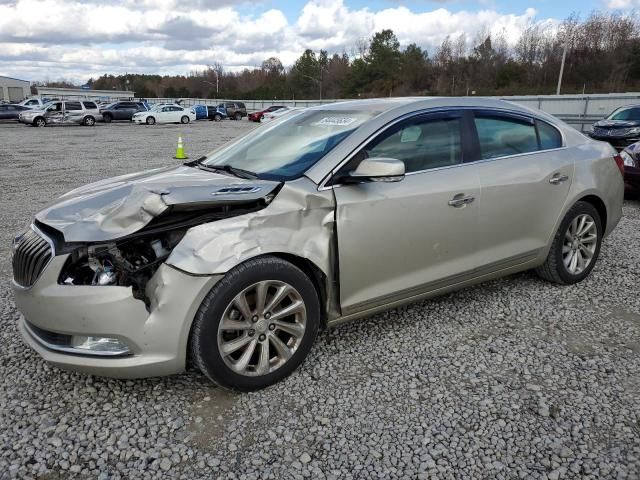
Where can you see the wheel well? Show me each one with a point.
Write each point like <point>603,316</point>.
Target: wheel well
<point>316,275</point>
<point>599,205</point>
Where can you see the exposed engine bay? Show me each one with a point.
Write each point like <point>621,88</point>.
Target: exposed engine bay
<point>132,260</point>
<point>127,263</point>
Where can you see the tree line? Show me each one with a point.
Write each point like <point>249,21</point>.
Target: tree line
<point>602,55</point>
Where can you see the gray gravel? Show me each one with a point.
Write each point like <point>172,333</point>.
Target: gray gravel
<point>515,378</point>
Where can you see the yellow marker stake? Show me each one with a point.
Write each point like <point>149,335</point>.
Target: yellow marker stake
<point>180,155</point>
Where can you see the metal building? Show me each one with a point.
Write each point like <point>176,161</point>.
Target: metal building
<point>13,89</point>
<point>66,93</point>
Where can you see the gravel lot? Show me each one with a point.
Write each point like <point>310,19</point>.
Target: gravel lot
<point>515,378</point>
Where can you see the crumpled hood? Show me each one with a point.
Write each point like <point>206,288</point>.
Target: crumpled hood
<point>122,205</point>
<point>617,123</point>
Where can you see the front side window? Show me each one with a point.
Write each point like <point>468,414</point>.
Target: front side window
<point>55,107</point>
<point>501,136</point>
<point>289,147</point>
<point>626,113</point>
<point>422,144</point>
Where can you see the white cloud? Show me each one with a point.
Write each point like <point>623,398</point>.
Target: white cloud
<point>76,39</point>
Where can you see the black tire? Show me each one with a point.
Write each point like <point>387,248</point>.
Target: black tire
<point>151,121</point>
<point>107,118</point>
<point>39,122</point>
<point>184,120</point>
<point>554,269</point>
<point>238,116</point>
<point>205,351</point>
<point>89,121</point>
<point>217,117</point>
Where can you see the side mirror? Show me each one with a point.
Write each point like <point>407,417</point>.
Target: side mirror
<point>377,170</point>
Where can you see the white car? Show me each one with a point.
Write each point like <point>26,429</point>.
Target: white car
<point>165,114</point>
<point>36,103</point>
<point>270,116</point>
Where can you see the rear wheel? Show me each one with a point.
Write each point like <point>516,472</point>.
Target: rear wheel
<point>256,325</point>
<point>89,121</point>
<point>39,122</point>
<point>151,121</point>
<point>184,119</point>
<point>575,247</point>
<point>217,117</point>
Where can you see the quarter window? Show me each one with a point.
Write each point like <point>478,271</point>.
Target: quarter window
<point>500,137</point>
<point>549,136</point>
<point>422,144</point>
<point>89,105</point>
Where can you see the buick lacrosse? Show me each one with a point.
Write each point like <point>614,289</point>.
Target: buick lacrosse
<point>234,261</point>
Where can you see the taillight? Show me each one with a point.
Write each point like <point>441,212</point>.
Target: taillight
<point>619,163</point>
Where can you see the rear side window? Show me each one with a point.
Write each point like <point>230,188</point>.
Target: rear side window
<point>89,105</point>
<point>73,106</point>
<point>500,137</point>
<point>549,136</point>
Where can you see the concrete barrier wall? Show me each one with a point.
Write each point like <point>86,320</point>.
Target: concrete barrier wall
<point>578,110</point>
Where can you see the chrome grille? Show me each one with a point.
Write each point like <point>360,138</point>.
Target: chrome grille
<point>30,257</point>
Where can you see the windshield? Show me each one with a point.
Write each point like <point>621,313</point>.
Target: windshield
<point>626,114</point>
<point>290,146</point>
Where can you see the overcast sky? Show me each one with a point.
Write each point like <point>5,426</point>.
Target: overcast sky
<point>77,39</point>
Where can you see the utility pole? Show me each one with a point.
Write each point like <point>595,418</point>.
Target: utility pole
<point>564,57</point>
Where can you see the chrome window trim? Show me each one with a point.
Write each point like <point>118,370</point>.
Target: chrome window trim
<point>53,254</point>
<point>323,185</point>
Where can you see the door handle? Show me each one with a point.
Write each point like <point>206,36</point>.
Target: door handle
<point>557,179</point>
<point>461,200</point>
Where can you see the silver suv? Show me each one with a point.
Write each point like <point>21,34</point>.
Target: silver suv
<point>67,112</point>
<point>329,214</point>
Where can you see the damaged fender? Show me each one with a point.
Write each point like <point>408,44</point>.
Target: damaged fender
<point>299,221</point>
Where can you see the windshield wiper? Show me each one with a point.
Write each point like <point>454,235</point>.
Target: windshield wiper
<point>238,172</point>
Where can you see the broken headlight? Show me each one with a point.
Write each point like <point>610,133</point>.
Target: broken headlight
<point>130,262</point>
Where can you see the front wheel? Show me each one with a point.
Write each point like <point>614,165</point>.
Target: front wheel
<point>238,116</point>
<point>107,118</point>
<point>218,117</point>
<point>575,247</point>
<point>151,121</point>
<point>256,325</point>
<point>40,122</point>
<point>184,119</point>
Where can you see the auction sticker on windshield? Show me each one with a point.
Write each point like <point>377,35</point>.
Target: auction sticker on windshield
<point>335,121</point>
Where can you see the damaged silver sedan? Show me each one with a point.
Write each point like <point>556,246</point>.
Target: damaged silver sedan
<point>234,262</point>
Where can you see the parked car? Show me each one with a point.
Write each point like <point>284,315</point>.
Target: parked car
<point>9,111</point>
<point>231,260</point>
<point>37,103</point>
<point>631,159</point>
<point>216,113</point>
<point>165,114</point>
<point>270,116</point>
<point>257,116</point>
<point>122,111</point>
<point>234,110</point>
<point>620,129</point>
<point>67,112</point>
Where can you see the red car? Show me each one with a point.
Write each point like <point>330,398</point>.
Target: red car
<point>257,116</point>
<point>631,159</point>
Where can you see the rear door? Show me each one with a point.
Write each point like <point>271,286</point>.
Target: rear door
<point>525,176</point>
<point>396,240</point>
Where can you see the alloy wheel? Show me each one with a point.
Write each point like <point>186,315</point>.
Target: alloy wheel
<point>262,327</point>
<point>580,242</point>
